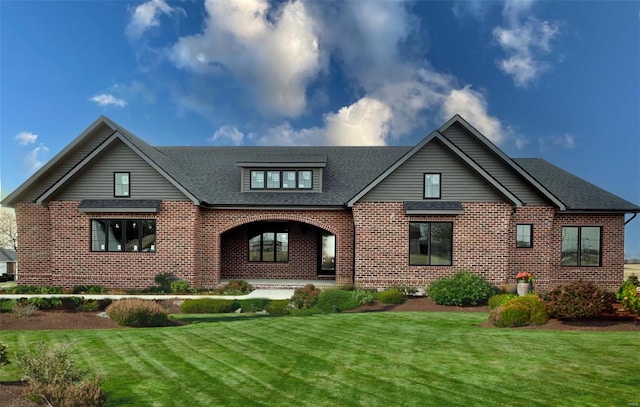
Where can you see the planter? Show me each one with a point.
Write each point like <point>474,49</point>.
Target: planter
<point>523,289</point>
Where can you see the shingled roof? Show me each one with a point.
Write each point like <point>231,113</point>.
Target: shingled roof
<point>574,192</point>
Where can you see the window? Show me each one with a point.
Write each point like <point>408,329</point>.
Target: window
<point>257,179</point>
<point>430,243</point>
<point>285,179</point>
<point>305,179</point>
<point>581,246</point>
<point>269,246</point>
<point>120,184</point>
<point>273,179</point>
<point>123,235</point>
<point>288,179</point>
<point>524,235</point>
<point>432,185</point>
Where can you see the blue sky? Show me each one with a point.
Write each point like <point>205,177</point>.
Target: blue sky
<point>557,80</point>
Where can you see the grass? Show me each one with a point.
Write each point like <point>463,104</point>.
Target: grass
<point>369,359</point>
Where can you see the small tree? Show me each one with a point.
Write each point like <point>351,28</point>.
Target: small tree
<point>8,230</point>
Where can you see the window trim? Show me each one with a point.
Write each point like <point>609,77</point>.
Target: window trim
<point>530,236</point>
<point>115,178</point>
<point>122,241</point>
<point>429,258</point>
<point>424,185</point>
<point>265,176</point>
<point>579,239</point>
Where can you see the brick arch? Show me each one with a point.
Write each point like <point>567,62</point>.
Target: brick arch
<point>278,216</point>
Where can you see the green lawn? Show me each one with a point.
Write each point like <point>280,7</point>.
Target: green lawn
<point>369,359</point>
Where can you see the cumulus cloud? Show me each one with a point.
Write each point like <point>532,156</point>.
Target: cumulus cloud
<point>147,15</point>
<point>525,41</point>
<point>33,160</point>
<point>273,50</point>
<point>25,138</point>
<point>228,134</point>
<point>105,99</point>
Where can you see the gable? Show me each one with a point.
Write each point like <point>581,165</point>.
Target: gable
<point>458,181</point>
<point>496,167</point>
<point>95,179</point>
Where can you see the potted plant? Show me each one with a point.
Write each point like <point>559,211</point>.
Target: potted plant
<point>524,279</point>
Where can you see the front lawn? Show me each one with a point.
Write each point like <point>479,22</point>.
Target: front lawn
<point>367,359</point>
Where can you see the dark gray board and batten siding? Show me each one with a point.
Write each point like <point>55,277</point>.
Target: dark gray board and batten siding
<point>458,182</point>
<point>95,181</point>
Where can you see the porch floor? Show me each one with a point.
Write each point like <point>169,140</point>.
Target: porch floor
<point>276,284</point>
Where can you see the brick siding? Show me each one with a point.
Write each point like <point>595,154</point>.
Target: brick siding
<point>203,246</point>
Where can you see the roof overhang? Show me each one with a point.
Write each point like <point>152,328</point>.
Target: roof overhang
<point>433,208</point>
<point>302,162</point>
<point>120,205</point>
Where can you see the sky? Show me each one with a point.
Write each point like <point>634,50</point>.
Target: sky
<point>557,80</point>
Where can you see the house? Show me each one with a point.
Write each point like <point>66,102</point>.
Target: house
<point>8,264</point>
<point>112,210</point>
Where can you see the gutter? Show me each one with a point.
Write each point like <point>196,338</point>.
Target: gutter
<point>632,217</point>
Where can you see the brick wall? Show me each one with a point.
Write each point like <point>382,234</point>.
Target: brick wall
<point>484,242</point>
<point>34,244</point>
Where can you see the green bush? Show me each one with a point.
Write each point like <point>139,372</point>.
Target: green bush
<point>236,287</point>
<point>305,297</point>
<point>4,358</point>
<point>391,296</point>
<point>45,303</point>
<point>164,281</point>
<point>462,289</point>
<point>336,300</point>
<point>7,305</point>
<point>363,297</point>
<point>580,300</point>
<point>277,307</point>
<point>52,377</point>
<point>405,289</point>
<point>89,306</point>
<point>32,289</point>
<point>497,300</point>
<point>137,313</point>
<point>88,289</point>
<point>180,287</point>
<point>209,306</point>
<point>520,311</point>
<point>628,296</point>
<point>253,304</point>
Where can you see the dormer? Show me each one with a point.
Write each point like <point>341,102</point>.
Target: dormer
<point>283,173</point>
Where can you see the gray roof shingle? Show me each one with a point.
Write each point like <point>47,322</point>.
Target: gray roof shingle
<point>574,192</point>
<point>8,255</point>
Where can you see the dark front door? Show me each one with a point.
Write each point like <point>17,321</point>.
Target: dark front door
<point>327,254</point>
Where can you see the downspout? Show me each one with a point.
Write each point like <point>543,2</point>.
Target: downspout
<point>353,256</point>
<point>632,217</point>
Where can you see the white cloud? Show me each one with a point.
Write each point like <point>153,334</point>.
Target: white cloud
<point>564,141</point>
<point>105,99</point>
<point>230,133</point>
<point>273,51</point>
<point>25,138</point>
<point>472,106</point>
<point>33,159</point>
<point>525,41</point>
<point>364,123</point>
<point>146,15</point>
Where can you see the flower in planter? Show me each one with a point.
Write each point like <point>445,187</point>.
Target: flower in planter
<point>525,277</point>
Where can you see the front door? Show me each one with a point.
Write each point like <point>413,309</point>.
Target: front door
<point>327,254</point>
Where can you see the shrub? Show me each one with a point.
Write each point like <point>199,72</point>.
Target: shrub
<point>45,303</point>
<point>497,300</point>
<point>578,301</point>
<point>236,287</point>
<point>462,289</point>
<point>363,297</point>
<point>53,377</point>
<point>391,296</point>
<point>277,307</point>
<point>7,305</point>
<point>305,297</point>
<point>520,311</point>
<point>4,358</point>
<point>32,289</point>
<point>253,304</point>
<point>88,289</point>
<point>23,309</point>
<point>628,296</point>
<point>137,313</point>
<point>164,281</point>
<point>209,306</point>
<point>180,287</point>
<point>336,300</point>
<point>405,289</point>
<point>89,306</point>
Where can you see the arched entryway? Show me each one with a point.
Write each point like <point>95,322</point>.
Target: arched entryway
<point>278,250</point>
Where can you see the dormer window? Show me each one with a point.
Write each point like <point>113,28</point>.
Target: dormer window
<point>305,180</point>
<point>432,186</point>
<point>257,179</point>
<point>121,184</point>
<point>281,179</point>
<point>273,179</point>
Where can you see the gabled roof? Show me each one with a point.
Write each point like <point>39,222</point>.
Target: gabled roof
<point>576,193</point>
<point>7,256</point>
